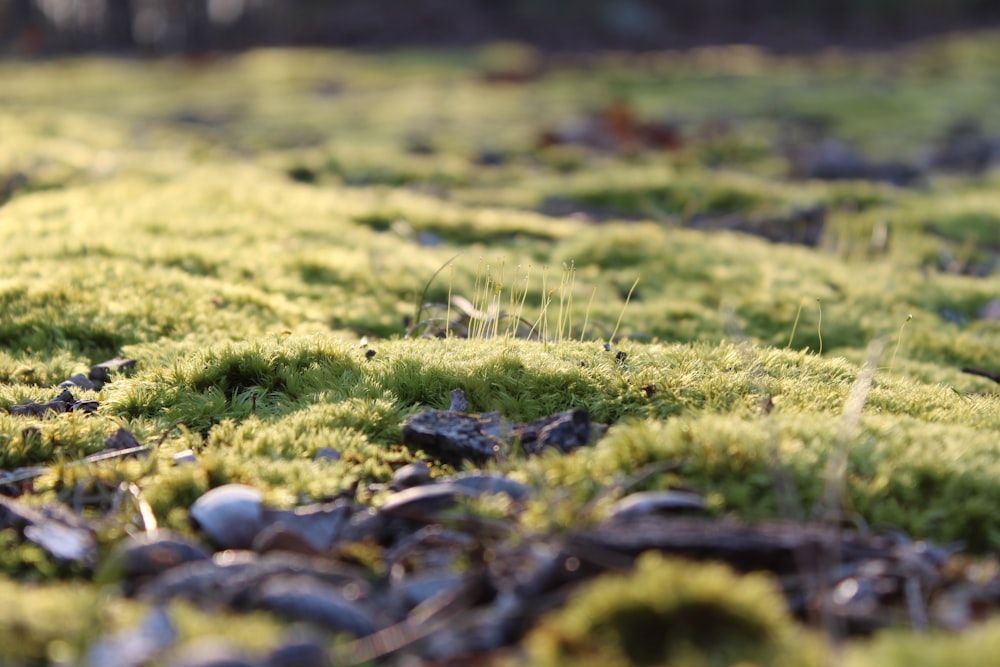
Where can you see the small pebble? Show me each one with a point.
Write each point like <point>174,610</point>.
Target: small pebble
<point>121,439</point>
<point>187,456</point>
<point>413,474</point>
<point>101,373</point>
<point>327,454</point>
<point>458,401</point>
<point>657,502</point>
<point>230,515</point>
<point>478,483</point>
<point>298,652</point>
<point>85,406</point>
<point>145,556</point>
<point>313,527</point>
<point>304,598</point>
<point>422,502</point>
<point>78,380</point>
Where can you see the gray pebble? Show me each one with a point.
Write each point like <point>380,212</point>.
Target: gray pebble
<point>304,598</point>
<point>657,502</point>
<point>422,502</point>
<point>185,457</point>
<point>230,515</point>
<point>458,401</point>
<point>79,380</point>
<point>413,474</point>
<point>318,525</point>
<point>141,557</point>
<point>480,483</point>
<point>298,652</point>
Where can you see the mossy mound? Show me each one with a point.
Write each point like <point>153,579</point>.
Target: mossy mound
<point>672,612</point>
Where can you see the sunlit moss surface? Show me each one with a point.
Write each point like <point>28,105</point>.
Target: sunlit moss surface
<point>251,229</point>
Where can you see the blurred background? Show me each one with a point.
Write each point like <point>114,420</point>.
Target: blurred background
<point>48,27</point>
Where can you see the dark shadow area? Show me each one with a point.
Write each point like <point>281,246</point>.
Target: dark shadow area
<point>41,27</point>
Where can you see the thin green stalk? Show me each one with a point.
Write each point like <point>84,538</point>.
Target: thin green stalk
<point>427,286</point>
<point>795,325</point>
<point>519,310</point>
<point>899,339</point>
<point>447,321</point>
<point>586,315</point>
<point>819,326</point>
<point>628,298</point>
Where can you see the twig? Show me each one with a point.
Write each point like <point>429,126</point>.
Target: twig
<point>149,523</point>
<point>33,473</point>
<point>982,373</point>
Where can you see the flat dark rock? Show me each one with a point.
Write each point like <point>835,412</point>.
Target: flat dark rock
<point>423,502</point>
<point>564,432</point>
<point>231,578</point>
<point>454,436</point>
<point>318,525</point>
<point>143,557</point>
<point>79,380</point>
<point>121,439</point>
<point>484,482</point>
<point>657,502</point>
<point>780,547</point>
<point>61,403</point>
<point>412,474</point>
<point>101,373</point>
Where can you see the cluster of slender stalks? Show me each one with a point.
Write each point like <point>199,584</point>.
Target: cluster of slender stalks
<point>497,308</point>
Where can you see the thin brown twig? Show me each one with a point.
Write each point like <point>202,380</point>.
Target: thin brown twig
<point>982,373</point>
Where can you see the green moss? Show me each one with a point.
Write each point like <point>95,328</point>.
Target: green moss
<point>977,646</point>
<point>673,612</point>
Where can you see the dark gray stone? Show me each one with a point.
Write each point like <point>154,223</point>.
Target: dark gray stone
<point>327,454</point>
<point>230,515</point>
<point>413,474</point>
<point>479,483</point>
<point>298,652</point>
<point>303,598</point>
<point>657,502</point>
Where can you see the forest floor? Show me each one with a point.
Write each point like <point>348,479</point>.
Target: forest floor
<point>761,290</point>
